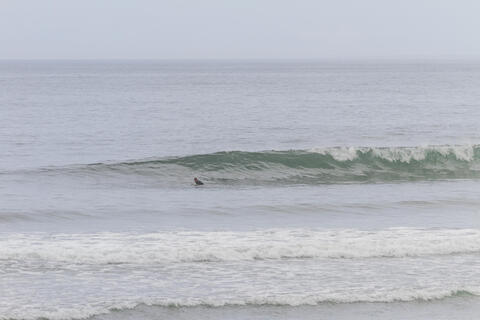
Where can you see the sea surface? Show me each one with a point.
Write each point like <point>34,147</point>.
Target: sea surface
<point>332,190</point>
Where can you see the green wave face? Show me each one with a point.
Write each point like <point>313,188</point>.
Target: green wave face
<point>315,166</point>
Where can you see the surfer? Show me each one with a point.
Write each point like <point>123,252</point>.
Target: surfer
<point>197,182</point>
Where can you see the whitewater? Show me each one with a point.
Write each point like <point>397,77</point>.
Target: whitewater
<point>333,190</point>
<point>177,247</point>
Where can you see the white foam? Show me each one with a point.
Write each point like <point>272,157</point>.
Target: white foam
<point>87,310</point>
<point>401,154</point>
<point>339,153</point>
<point>175,247</point>
<point>398,295</point>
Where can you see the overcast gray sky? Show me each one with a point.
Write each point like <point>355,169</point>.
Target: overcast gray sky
<point>212,29</point>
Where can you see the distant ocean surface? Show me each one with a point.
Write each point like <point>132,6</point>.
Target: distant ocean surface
<point>333,190</point>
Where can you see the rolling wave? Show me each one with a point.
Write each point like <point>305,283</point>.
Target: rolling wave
<point>314,166</point>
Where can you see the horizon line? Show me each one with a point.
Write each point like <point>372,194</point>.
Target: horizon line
<point>372,58</point>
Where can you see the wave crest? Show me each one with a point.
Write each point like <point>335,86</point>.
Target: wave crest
<point>314,166</point>
<point>291,167</point>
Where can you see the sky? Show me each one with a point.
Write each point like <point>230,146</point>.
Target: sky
<point>238,29</point>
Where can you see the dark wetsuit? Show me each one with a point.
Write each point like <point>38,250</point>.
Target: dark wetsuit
<point>198,182</point>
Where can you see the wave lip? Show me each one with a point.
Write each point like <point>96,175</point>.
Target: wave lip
<point>195,247</point>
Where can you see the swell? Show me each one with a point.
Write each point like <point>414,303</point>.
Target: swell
<point>198,247</point>
<point>314,166</point>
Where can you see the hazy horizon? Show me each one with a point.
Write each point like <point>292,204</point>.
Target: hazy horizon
<point>247,30</point>
<point>371,59</point>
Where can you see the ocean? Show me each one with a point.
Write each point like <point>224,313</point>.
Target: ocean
<point>332,189</point>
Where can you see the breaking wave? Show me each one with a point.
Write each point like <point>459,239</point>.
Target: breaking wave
<point>315,166</point>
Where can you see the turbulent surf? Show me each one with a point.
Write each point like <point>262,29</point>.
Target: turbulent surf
<point>165,248</point>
